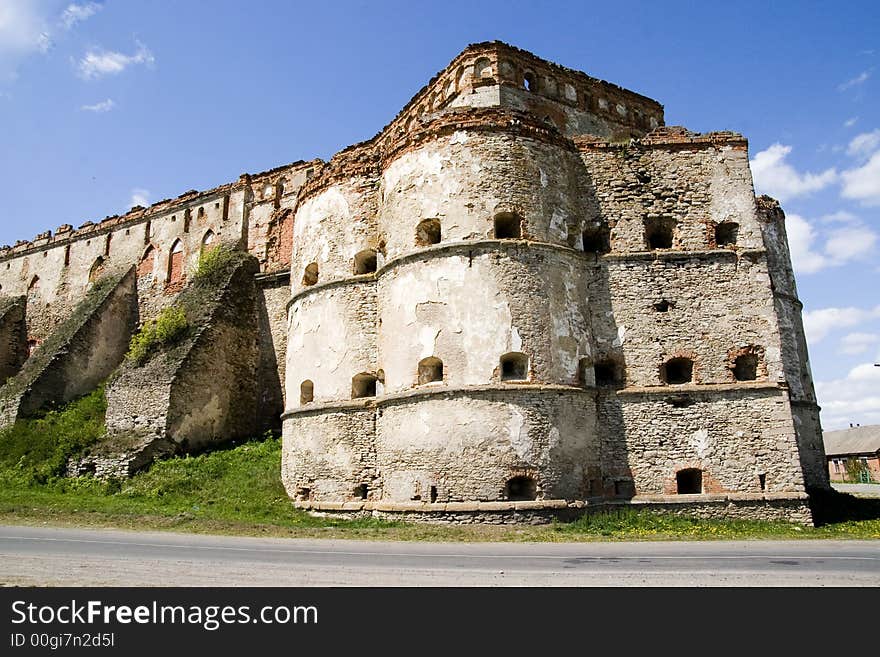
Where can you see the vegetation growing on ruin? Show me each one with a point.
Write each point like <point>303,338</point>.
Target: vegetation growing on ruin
<point>36,450</point>
<point>238,491</point>
<point>214,265</point>
<point>168,328</point>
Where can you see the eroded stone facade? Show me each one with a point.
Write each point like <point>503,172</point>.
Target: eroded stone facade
<point>570,305</point>
<point>525,294</point>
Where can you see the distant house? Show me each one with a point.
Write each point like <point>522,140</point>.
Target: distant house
<point>855,443</point>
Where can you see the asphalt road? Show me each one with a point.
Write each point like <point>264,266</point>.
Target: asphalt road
<point>76,557</point>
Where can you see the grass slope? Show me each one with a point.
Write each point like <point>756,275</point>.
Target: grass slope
<point>238,491</point>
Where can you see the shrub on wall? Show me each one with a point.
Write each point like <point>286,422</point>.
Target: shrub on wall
<point>214,265</point>
<point>166,329</point>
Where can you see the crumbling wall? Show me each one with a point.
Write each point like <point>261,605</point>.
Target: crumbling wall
<point>741,437</point>
<point>200,391</point>
<point>80,353</point>
<point>13,336</point>
<point>795,357</point>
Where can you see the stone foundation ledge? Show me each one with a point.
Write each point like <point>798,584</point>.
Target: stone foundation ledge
<point>549,505</point>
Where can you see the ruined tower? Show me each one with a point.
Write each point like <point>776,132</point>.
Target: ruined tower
<point>524,297</point>
<point>526,294</point>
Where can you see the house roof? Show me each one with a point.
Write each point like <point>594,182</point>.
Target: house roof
<point>855,440</point>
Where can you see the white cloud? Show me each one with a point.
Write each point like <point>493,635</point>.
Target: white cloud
<point>864,144</point>
<point>103,106</point>
<point>842,239</point>
<point>139,197</point>
<point>839,217</point>
<point>819,323</point>
<point>24,29</point>
<point>77,13</point>
<point>861,78</point>
<point>776,177</point>
<point>801,237</point>
<point>98,63</point>
<point>857,343</point>
<point>29,26</point>
<point>854,398</point>
<point>849,123</point>
<point>850,243</point>
<point>863,183</point>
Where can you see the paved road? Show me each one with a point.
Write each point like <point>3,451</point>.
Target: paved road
<point>74,557</point>
<point>859,490</point>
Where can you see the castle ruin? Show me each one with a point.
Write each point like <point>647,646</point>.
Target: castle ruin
<point>526,297</point>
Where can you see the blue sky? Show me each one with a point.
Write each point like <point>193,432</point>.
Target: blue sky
<point>108,104</point>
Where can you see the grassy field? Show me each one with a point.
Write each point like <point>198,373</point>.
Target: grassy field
<point>238,490</point>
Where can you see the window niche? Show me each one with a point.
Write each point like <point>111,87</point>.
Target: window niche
<point>514,366</point>
<point>306,392</point>
<point>677,371</point>
<point>363,385</point>
<point>365,262</point>
<point>725,234</point>
<point>428,232</point>
<point>747,363</point>
<point>521,488</point>
<point>689,481</point>
<point>659,233</point>
<point>596,239</point>
<point>508,226</point>
<point>310,276</point>
<point>430,370</point>
<point>608,372</point>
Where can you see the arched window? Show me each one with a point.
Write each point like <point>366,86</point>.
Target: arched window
<point>596,239</point>
<point>97,269</point>
<point>428,232</point>
<point>306,392</point>
<point>689,481</point>
<point>208,240</point>
<point>530,81</point>
<point>521,488</point>
<point>508,225</point>
<point>363,385</point>
<point>34,285</point>
<point>175,263</point>
<point>677,370</point>
<point>430,370</point>
<point>659,233</point>
<point>514,366</point>
<point>147,263</point>
<point>726,233</point>
<point>365,262</point>
<point>482,68</point>
<point>310,276</point>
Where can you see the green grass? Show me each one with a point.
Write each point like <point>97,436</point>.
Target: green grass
<point>238,491</point>
<point>36,450</point>
<point>214,265</point>
<point>167,328</point>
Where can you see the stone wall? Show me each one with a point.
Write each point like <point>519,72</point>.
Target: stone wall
<point>500,240</point>
<point>80,353</point>
<point>13,336</point>
<point>198,392</point>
